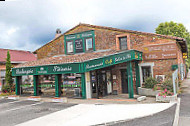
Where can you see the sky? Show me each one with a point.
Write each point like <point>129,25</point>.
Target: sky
<point>29,24</point>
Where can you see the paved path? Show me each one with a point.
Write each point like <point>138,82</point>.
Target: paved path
<point>92,114</point>
<point>184,119</point>
<point>16,112</point>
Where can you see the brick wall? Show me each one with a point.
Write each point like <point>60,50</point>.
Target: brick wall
<point>55,47</point>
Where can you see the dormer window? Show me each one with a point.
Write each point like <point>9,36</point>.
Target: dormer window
<point>123,43</point>
<point>89,44</point>
<point>69,47</point>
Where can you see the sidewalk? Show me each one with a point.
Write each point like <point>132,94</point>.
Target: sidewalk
<point>93,114</point>
<point>184,119</point>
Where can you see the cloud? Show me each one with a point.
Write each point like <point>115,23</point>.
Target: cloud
<point>28,24</point>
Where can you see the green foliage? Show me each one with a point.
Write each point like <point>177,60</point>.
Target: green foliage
<point>8,75</point>
<point>175,29</point>
<point>8,88</point>
<point>167,84</point>
<point>150,82</point>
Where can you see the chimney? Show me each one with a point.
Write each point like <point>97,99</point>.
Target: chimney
<point>58,33</point>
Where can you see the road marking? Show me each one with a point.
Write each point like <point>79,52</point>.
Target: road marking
<point>21,107</point>
<point>176,118</point>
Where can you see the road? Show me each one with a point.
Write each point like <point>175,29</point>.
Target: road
<point>15,112</point>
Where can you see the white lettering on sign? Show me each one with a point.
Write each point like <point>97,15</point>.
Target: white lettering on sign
<point>22,71</point>
<point>59,68</point>
<point>151,56</point>
<point>92,66</point>
<point>86,34</point>
<point>168,55</point>
<point>117,59</point>
<point>70,37</point>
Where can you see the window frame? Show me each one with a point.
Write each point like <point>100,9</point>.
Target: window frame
<point>121,44</point>
<point>151,64</point>
<point>91,49</point>
<point>67,47</point>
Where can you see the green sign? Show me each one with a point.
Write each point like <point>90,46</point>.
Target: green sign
<point>80,67</point>
<point>49,69</point>
<point>79,41</point>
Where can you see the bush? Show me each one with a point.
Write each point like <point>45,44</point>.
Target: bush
<point>168,84</point>
<point>150,82</point>
<point>7,88</point>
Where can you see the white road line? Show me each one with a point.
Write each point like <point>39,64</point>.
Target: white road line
<point>21,107</point>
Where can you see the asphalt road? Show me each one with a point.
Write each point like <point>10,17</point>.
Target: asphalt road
<point>164,118</point>
<point>15,112</point>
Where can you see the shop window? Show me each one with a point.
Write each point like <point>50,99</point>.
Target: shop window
<point>89,44</point>
<point>69,47</point>
<point>123,43</point>
<point>146,72</point>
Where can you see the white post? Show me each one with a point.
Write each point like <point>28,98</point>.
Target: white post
<point>88,85</point>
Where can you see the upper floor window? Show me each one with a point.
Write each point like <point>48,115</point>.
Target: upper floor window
<point>79,42</point>
<point>69,47</point>
<point>123,43</point>
<point>89,44</point>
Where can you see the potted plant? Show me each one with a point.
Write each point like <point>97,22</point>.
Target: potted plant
<point>166,94</point>
<point>148,88</point>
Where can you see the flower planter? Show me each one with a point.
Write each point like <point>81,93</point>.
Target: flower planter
<point>166,98</point>
<point>147,92</point>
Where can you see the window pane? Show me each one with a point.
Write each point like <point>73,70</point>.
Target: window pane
<point>146,72</point>
<point>78,45</point>
<point>89,44</point>
<point>3,73</point>
<point>123,43</point>
<point>69,47</point>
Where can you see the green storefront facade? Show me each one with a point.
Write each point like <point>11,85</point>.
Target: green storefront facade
<point>127,57</point>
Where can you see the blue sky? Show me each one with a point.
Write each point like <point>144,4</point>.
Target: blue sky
<point>29,24</point>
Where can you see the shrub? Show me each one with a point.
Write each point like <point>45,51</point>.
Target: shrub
<point>168,84</point>
<point>165,93</point>
<point>150,82</point>
<point>7,88</point>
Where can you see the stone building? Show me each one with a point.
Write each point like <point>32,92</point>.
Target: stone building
<point>99,60</point>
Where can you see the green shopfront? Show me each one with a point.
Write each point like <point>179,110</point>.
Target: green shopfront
<point>88,76</point>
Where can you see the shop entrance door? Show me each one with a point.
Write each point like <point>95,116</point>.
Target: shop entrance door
<point>101,83</point>
<point>124,81</point>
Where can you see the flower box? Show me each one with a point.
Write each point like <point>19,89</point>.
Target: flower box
<point>147,92</point>
<point>166,98</point>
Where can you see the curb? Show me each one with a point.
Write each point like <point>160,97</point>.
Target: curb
<point>176,118</point>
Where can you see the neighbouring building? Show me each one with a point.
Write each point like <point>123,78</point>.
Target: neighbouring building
<point>17,57</point>
<point>95,61</point>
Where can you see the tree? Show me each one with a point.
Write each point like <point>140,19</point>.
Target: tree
<point>175,29</point>
<point>8,87</point>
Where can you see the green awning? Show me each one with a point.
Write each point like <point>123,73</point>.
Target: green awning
<point>80,67</point>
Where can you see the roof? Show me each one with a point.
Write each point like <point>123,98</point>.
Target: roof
<point>63,59</point>
<point>121,30</point>
<point>17,56</point>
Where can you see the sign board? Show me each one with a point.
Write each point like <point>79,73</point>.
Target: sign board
<point>81,67</point>
<point>164,51</point>
<point>78,45</point>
